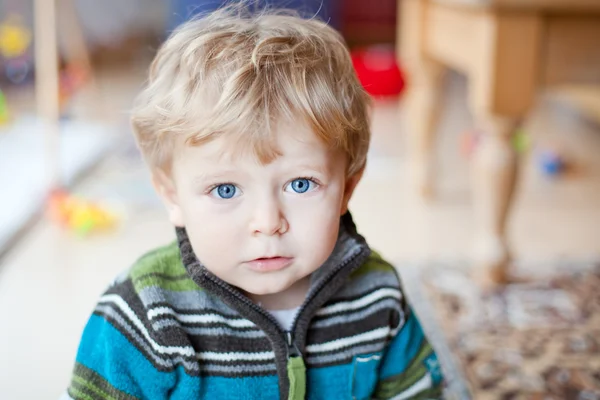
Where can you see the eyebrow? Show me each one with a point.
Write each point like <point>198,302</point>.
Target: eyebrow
<point>320,169</point>
<point>201,178</point>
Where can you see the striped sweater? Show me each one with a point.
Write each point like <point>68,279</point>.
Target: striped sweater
<point>168,328</point>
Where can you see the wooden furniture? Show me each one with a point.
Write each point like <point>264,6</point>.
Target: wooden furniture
<point>47,82</point>
<point>47,33</point>
<point>508,49</point>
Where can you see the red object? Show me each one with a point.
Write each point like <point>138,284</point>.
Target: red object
<point>72,78</point>
<point>469,140</point>
<point>378,71</point>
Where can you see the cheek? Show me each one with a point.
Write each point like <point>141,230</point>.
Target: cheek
<point>317,237</point>
<point>316,225</point>
<point>212,231</point>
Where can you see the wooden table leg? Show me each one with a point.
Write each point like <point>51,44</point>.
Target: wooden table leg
<point>425,79</point>
<point>423,107</point>
<point>46,76</point>
<point>503,84</point>
<point>494,175</point>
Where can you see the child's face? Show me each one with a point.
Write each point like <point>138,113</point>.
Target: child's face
<point>260,227</point>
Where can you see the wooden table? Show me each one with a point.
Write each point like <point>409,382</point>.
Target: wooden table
<point>509,50</point>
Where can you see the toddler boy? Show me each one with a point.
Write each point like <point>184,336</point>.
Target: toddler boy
<point>256,131</point>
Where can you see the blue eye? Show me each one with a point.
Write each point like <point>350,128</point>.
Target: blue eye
<point>301,185</point>
<point>225,191</point>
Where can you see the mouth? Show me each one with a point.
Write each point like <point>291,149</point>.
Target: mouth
<point>269,264</point>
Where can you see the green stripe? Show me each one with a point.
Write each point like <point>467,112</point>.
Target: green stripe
<point>373,264</point>
<point>78,394</point>
<point>396,384</point>
<point>85,378</point>
<point>183,285</point>
<point>165,276</point>
<point>415,371</point>
<point>165,260</point>
<point>91,387</point>
<point>162,268</point>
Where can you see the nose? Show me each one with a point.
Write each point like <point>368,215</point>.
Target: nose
<point>268,218</point>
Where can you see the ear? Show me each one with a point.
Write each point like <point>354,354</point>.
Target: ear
<point>351,183</point>
<point>165,187</point>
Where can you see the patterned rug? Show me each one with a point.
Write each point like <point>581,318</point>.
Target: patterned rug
<point>537,340</point>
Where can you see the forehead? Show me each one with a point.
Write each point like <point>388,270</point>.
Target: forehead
<point>289,142</point>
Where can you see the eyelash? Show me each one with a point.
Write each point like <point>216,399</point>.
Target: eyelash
<point>309,178</point>
<point>216,185</point>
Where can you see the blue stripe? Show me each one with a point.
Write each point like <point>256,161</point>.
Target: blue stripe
<point>356,380</point>
<point>329,382</point>
<point>259,387</point>
<point>403,349</point>
<point>105,350</point>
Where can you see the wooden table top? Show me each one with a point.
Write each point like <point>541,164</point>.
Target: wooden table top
<point>544,5</point>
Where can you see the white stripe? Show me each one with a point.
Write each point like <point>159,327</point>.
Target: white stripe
<point>379,333</point>
<point>200,318</point>
<point>336,357</point>
<point>123,306</point>
<point>212,356</point>
<point>362,302</point>
<point>422,384</point>
<point>375,357</point>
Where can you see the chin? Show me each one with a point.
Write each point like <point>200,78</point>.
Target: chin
<point>265,290</point>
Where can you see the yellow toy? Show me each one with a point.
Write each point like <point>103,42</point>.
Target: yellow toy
<point>15,38</point>
<point>4,115</point>
<point>79,215</point>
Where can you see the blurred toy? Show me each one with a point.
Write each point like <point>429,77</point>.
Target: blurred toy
<point>78,215</point>
<point>15,38</point>
<point>378,70</point>
<point>469,140</point>
<point>72,78</point>
<point>17,70</point>
<point>551,162</point>
<point>521,141</point>
<point>4,115</point>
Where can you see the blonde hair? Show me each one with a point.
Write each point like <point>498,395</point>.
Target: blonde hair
<point>236,72</point>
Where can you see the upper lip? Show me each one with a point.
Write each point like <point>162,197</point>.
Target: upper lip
<point>268,257</point>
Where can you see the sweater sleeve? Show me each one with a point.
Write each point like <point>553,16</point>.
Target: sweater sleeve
<point>121,357</point>
<point>410,368</point>
<point>109,366</point>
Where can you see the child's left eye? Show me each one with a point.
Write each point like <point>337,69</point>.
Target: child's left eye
<point>225,191</point>
<point>301,185</point>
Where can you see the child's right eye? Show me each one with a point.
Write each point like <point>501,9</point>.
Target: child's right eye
<point>225,191</point>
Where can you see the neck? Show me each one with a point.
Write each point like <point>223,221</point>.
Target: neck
<point>290,298</point>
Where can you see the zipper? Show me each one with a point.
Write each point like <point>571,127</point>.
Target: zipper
<point>293,350</point>
<point>246,301</point>
<point>288,336</point>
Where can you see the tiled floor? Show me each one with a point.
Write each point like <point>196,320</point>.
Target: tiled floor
<point>50,280</point>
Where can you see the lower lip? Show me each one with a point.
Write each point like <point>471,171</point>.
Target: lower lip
<point>269,264</point>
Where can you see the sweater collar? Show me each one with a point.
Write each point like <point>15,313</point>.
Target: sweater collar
<point>349,252</point>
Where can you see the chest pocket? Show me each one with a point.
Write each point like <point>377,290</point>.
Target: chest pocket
<point>365,374</point>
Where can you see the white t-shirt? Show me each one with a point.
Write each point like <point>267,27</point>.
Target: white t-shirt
<point>285,317</point>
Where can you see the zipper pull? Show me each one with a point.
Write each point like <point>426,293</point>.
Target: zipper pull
<point>292,349</point>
